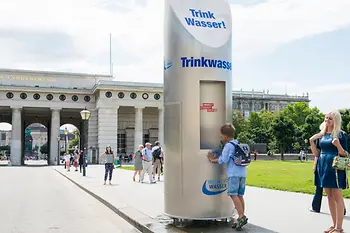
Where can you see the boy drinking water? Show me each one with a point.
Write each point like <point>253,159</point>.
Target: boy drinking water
<point>236,174</point>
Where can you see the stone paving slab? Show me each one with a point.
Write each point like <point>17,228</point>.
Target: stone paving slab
<point>39,200</point>
<point>143,204</point>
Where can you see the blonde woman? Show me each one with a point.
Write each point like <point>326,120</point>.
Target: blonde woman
<point>330,142</point>
<point>138,162</point>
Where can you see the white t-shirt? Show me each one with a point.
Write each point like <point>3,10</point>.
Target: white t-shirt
<point>155,148</point>
<point>67,157</point>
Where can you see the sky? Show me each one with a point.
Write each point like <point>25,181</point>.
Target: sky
<point>284,46</point>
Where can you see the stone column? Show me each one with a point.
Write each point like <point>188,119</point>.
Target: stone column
<point>138,127</point>
<point>16,137</point>
<point>55,132</point>
<point>161,126</point>
<point>107,128</point>
<point>116,128</point>
<point>92,140</point>
<point>253,106</point>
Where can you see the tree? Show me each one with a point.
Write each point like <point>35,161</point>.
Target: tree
<point>260,135</point>
<point>238,122</point>
<point>283,129</point>
<point>266,122</point>
<point>297,112</point>
<point>257,132</point>
<point>312,123</point>
<point>44,149</point>
<point>73,142</point>
<point>345,115</point>
<point>267,118</point>
<point>254,121</point>
<point>243,137</point>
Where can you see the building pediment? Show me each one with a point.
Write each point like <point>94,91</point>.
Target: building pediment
<point>128,86</point>
<point>28,78</point>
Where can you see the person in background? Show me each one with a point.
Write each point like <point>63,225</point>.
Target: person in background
<point>157,155</point>
<point>81,160</point>
<point>75,159</point>
<point>330,142</point>
<point>67,161</point>
<point>138,163</point>
<point>255,155</point>
<point>71,159</point>
<point>147,163</point>
<point>109,160</point>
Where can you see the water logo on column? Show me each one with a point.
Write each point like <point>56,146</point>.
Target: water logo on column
<point>214,187</point>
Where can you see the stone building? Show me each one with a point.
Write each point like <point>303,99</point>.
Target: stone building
<point>5,137</point>
<point>123,114</point>
<point>255,101</point>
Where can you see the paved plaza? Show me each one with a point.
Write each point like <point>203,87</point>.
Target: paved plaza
<point>268,210</point>
<point>39,200</point>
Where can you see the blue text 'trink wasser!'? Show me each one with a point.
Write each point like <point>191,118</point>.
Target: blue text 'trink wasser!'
<point>204,19</point>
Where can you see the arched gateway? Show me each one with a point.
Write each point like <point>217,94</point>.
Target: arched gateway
<point>123,114</point>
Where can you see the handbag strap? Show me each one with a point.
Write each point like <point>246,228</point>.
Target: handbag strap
<point>346,178</point>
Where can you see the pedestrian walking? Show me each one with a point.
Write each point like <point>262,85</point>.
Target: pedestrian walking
<point>67,161</point>
<point>75,159</point>
<point>255,155</point>
<point>147,163</point>
<point>109,159</point>
<point>329,143</point>
<point>157,155</point>
<point>81,160</point>
<point>138,163</point>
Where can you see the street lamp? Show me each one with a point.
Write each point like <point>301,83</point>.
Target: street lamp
<point>65,139</point>
<point>85,115</point>
<point>58,149</point>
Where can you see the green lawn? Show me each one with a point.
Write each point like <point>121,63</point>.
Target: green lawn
<point>292,176</point>
<point>127,167</point>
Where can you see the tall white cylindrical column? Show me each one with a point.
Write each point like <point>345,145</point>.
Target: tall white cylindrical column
<point>16,139</point>
<point>161,126</point>
<point>138,127</point>
<point>54,133</point>
<point>197,102</point>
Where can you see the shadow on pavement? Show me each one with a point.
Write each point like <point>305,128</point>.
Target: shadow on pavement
<point>206,227</point>
<point>220,227</point>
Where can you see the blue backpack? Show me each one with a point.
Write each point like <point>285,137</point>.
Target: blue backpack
<point>242,154</point>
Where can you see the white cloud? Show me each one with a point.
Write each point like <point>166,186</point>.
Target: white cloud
<point>260,29</point>
<point>331,96</point>
<point>137,31</point>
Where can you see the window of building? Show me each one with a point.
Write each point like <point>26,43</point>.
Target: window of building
<point>146,138</point>
<point>3,136</point>
<point>121,144</point>
<point>153,140</point>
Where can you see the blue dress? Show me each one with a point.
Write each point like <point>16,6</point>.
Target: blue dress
<point>326,176</point>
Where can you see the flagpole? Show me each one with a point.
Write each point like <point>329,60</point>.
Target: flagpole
<point>110,55</point>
